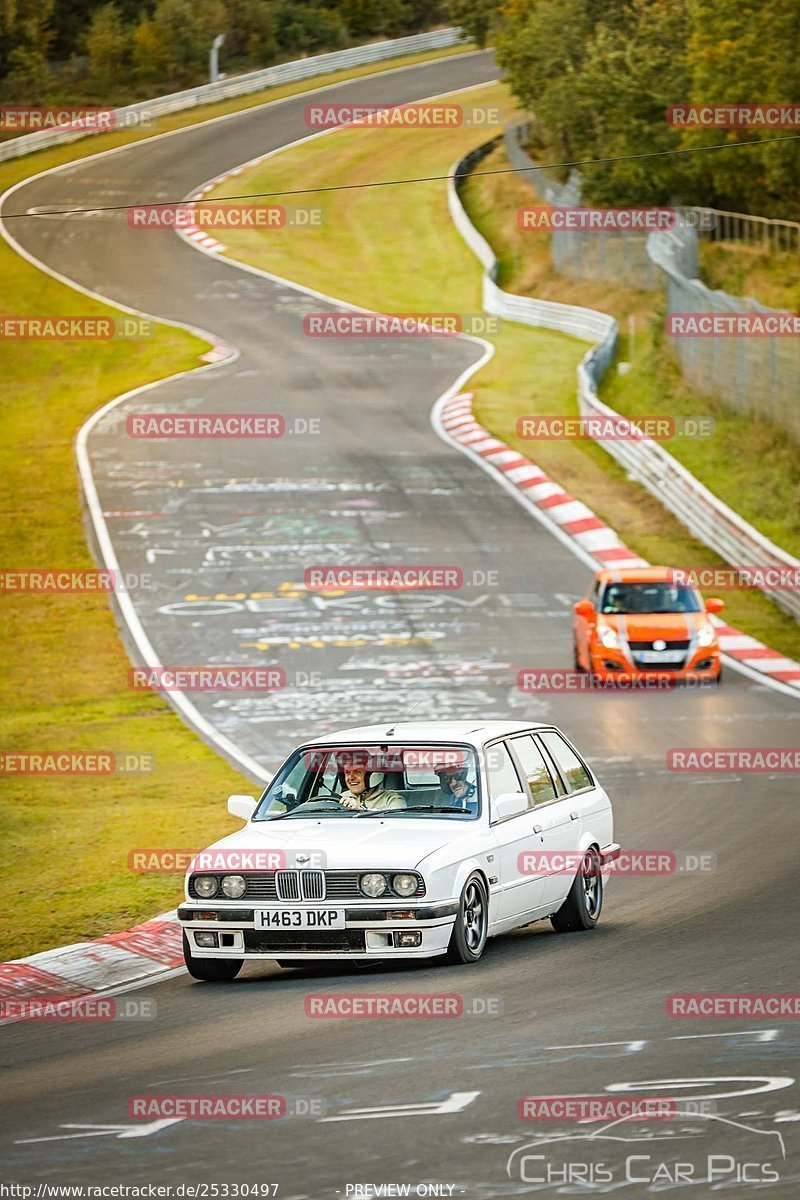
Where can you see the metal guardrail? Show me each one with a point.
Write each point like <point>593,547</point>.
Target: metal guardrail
<point>584,323</point>
<point>303,68</point>
<point>756,374</point>
<point>699,510</point>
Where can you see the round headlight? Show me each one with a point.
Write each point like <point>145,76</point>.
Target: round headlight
<point>205,886</point>
<point>404,885</point>
<point>234,886</point>
<point>373,885</point>
<point>706,635</point>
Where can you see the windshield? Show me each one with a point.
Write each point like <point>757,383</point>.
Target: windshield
<point>356,782</point>
<point>649,598</point>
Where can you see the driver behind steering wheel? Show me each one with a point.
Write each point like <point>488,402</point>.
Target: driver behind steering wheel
<point>360,794</point>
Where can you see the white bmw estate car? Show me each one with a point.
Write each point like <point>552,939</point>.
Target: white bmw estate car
<point>410,841</point>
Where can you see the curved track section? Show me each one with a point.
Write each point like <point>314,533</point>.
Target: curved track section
<point>228,529</point>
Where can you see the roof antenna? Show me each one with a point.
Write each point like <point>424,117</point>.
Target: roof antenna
<point>390,732</point>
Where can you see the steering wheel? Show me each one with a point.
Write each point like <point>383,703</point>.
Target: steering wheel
<point>333,794</point>
<point>315,803</point>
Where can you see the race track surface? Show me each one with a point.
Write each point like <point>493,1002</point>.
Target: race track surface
<point>226,528</point>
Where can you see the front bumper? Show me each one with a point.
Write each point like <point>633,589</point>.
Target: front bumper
<point>369,932</point>
<point>697,663</point>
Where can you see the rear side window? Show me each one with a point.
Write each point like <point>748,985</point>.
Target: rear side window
<point>501,771</point>
<point>535,768</point>
<point>574,772</point>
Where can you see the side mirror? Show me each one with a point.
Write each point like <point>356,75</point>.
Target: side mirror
<point>713,605</point>
<point>242,806</point>
<point>584,608</point>
<point>509,804</point>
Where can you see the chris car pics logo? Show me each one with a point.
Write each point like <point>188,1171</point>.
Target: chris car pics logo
<point>703,1149</point>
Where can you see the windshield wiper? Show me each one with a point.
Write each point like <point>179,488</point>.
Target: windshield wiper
<point>381,812</point>
<point>303,812</point>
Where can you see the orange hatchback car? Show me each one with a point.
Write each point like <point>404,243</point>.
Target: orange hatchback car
<point>638,620</point>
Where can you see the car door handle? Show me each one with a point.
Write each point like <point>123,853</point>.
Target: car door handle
<point>537,829</point>
<point>573,816</point>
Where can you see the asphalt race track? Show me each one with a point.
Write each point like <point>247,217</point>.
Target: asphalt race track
<point>242,520</point>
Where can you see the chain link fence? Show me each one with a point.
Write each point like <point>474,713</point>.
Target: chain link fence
<point>753,373</point>
<point>647,462</point>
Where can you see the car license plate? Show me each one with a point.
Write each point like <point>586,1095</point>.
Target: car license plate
<point>660,656</point>
<point>299,918</point>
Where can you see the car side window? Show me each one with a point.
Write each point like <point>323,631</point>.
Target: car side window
<point>535,768</point>
<point>501,771</point>
<point>574,772</point>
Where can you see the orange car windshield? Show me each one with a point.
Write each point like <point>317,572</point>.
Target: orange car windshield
<point>649,598</point>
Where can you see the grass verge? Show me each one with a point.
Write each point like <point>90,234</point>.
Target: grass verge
<point>64,683</point>
<point>767,497</point>
<point>396,250</point>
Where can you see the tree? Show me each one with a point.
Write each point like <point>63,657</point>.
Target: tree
<point>172,46</point>
<point>478,18</point>
<point>107,44</point>
<point>26,35</point>
<point>747,53</point>
<point>628,79</point>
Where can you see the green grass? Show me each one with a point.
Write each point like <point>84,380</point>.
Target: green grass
<point>64,842</point>
<point>770,500</point>
<point>769,276</point>
<point>394,249</point>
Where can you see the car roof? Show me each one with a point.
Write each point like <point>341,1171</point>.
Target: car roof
<point>636,575</point>
<point>474,732</point>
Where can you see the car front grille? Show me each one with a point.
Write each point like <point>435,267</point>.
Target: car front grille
<point>288,886</point>
<point>288,941</point>
<point>680,645</point>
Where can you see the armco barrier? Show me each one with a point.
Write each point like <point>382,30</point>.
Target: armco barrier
<point>584,323</point>
<point>242,85</point>
<point>648,463</point>
<point>752,375</point>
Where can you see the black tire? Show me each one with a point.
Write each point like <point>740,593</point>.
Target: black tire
<point>582,907</point>
<point>468,939</point>
<point>577,659</point>
<point>210,970</point>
